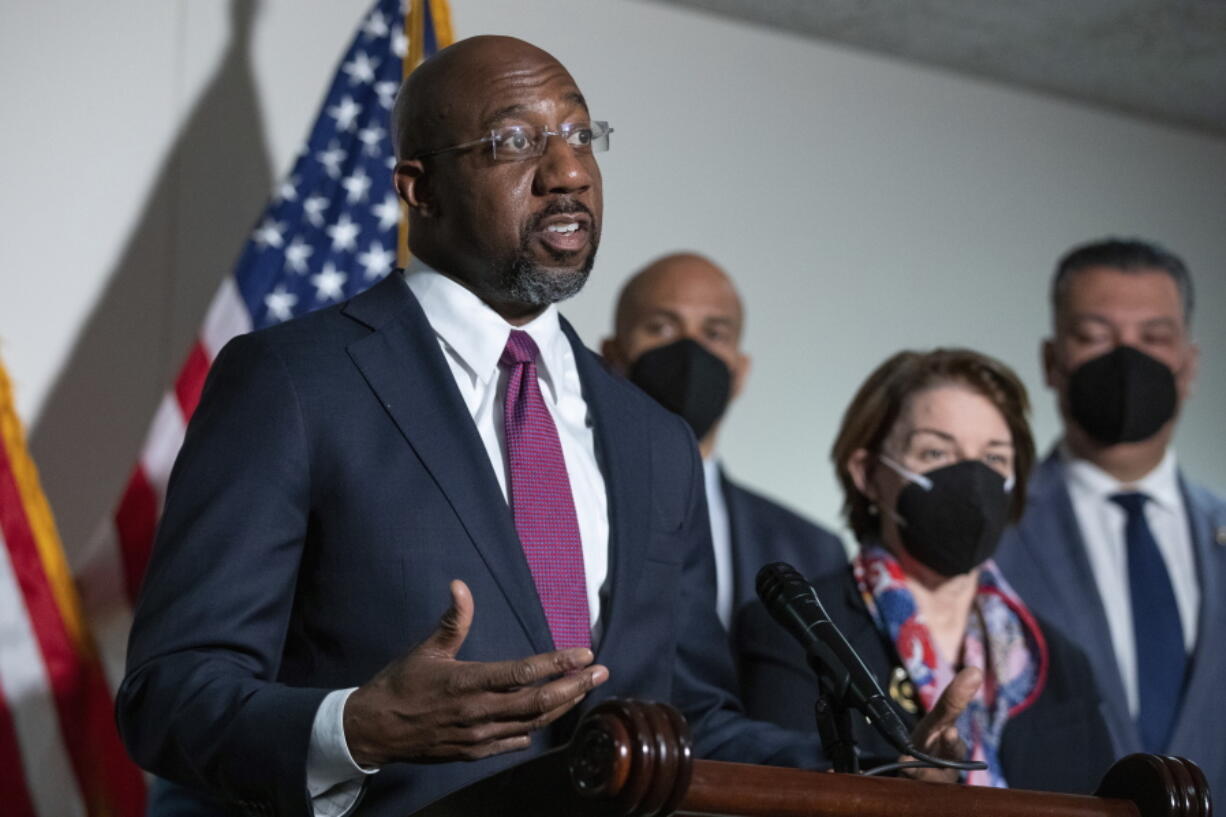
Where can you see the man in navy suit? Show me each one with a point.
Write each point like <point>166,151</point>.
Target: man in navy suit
<point>677,334</point>
<point>349,475</point>
<point>1117,547</point>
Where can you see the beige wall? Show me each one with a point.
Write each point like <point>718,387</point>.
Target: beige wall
<point>862,204</point>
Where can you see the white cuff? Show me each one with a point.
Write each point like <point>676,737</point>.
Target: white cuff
<point>334,780</point>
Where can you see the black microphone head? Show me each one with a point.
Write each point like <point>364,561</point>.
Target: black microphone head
<point>793,603</point>
<point>778,580</point>
<point>790,600</point>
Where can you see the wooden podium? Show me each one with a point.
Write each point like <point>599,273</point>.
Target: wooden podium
<point>634,759</point>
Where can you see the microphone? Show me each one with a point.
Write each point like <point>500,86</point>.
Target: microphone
<point>793,603</point>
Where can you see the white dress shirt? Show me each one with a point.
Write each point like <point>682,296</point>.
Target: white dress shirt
<point>721,540</point>
<point>1102,524</point>
<point>472,337</point>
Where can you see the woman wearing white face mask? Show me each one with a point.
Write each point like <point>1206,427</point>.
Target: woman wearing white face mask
<point>933,455</point>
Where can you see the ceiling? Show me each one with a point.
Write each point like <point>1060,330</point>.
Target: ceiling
<point>1163,60</point>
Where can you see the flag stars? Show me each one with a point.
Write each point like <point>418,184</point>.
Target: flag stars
<point>356,186</point>
<point>288,189</point>
<point>361,69</point>
<point>377,261</point>
<point>270,233</point>
<point>400,43</point>
<point>329,283</point>
<point>314,208</point>
<point>332,158</point>
<point>345,113</point>
<point>388,212</point>
<point>375,25</point>
<point>387,93</point>
<point>297,254</point>
<point>280,304</point>
<point>370,137</point>
<point>344,233</point>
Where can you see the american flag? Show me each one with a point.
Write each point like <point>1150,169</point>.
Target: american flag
<point>59,750</point>
<point>329,231</point>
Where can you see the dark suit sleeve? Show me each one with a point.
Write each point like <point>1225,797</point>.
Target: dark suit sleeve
<point>705,680</point>
<point>200,704</point>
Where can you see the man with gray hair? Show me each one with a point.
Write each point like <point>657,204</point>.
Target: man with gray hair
<point>1117,547</point>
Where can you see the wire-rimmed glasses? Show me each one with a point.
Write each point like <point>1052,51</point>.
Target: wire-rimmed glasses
<point>513,143</point>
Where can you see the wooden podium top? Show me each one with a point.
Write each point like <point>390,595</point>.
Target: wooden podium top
<point>634,759</point>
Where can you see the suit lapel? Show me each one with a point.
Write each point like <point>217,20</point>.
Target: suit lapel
<point>1202,692</point>
<point>624,453</point>
<point>1054,544</point>
<point>402,362</point>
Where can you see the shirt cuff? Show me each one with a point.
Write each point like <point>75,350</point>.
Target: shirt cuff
<point>334,780</point>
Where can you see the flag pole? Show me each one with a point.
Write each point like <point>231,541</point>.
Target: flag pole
<point>414,31</point>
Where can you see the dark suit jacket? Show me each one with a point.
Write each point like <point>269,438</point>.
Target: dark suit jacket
<point>762,532</point>
<point>1058,744</point>
<point>330,484</point>
<point>1044,559</point>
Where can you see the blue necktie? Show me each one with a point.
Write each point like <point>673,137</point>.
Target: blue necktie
<point>1158,634</point>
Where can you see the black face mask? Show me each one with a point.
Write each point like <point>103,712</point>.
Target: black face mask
<point>951,518</point>
<point>686,379</point>
<point>1124,396</point>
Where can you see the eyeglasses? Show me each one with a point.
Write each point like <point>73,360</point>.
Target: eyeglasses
<point>514,143</point>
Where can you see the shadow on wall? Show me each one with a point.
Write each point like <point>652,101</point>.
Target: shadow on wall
<point>207,193</point>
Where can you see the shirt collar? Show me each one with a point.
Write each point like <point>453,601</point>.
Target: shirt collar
<point>476,334</point>
<point>1161,484</point>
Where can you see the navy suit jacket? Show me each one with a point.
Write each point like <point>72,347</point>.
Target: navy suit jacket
<point>1044,559</point>
<point>762,532</point>
<point>1059,743</point>
<point>331,483</point>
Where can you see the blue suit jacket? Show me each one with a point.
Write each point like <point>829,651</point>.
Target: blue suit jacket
<point>1045,560</point>
<point>330,484</point>
<point>762,532</point>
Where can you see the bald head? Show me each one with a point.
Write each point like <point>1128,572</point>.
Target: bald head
<point>681,282</point>
<point>519,230</point>
<point>430,108</point>
<point>683,296</point>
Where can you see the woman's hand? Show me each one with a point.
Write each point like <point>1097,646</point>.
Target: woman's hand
<point>936,734</point>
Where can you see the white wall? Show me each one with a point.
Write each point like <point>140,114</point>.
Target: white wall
<point>862,204</point>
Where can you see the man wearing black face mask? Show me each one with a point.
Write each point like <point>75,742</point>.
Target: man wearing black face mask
<point>1117,547</point>
<point>678,337</point>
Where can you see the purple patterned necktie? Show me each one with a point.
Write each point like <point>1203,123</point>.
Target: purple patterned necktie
<point>541,501</point>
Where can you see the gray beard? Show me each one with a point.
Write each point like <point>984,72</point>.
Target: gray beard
<point>524,282</point>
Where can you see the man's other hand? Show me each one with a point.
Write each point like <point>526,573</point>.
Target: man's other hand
<point>427,707</point>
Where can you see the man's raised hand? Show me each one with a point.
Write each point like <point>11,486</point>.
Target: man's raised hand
<point>427,707</point>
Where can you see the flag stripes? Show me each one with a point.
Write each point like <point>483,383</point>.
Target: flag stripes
<point>12,786</point>
<point>52,682</point>
<point>27,724</point>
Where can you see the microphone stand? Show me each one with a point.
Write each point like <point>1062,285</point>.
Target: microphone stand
<point>834,718</point>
